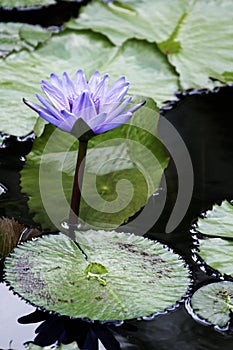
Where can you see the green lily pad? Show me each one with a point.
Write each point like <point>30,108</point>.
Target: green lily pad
<point>25,3</point>
<point>157,79</point>
<point>71,346</point>
<point>123,169</point>
<point>153,20</point>
<point>21,73</point>
<point>218,253</point>
<point>214,303</point>
<point>218,221</point>
<point>189,32</point>
<point>201,45</point>
<point>121,276</point>
<point>18,36</point>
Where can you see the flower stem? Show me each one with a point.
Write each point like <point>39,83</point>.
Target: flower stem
<point>77,184</point>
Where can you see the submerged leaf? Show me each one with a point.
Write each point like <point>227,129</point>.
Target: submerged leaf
<point>122,276</point>
<point>10,232</point>
<point>214,303</point>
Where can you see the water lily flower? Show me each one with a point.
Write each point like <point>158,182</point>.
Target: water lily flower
<point>102,108</point>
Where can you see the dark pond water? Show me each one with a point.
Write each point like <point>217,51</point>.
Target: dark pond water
<point>204,121</point>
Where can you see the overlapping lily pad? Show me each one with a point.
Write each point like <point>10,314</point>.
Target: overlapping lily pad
<point>201,47</point>
<point>153,20</point>
<point>141,63</point>
<point>213,303</point>
<point>123,168</point>
<point>188,32</point>
<point>148,71</point>
<point>120,277</point>
<point>25,3</point>
<point>217,251</point>
<point>71,346</point>
<point>18,36</point>
<point>218,222</point>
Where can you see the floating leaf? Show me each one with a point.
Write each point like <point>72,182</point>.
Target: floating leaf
<point>123,168</point>
<point>218,253</point>
<point>218,221</point>
<point>121,276</point>
<point>157,78</point>
<point>18,36</point>
<point>153,20</point>
<point>72,346</point>
<point>201,45</point>
<point>214,303</point>
<point>25,3</point>
<point>68,51</point>
<point>189,32</point>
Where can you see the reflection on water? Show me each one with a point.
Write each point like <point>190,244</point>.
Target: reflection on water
<point>11,308</point>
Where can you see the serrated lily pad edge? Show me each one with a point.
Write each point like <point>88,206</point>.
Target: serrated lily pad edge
<point>197,236</point>
<point>200,319</point>
<point>172,307</point>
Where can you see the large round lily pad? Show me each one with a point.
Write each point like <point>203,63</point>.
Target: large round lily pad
<point>113,276</point>
<point>213,303</point>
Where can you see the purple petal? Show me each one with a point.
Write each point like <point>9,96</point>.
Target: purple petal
<point>49,117</point>
<point>96,122</point>
<point>68,86</point>
<point>114,109</point>
<point>56,81</point>
<point>84,107</point>
<point>50,108</point>
<point>117,93</point>
<point>121,119</point>
<point>80,82</point>
<point>117,86</point>
<point>136,107</point>
<point>55,95</point>
<point>94,81</point>
<point>100,91</point>
<point>68,122</point>
<point>44,113</point>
